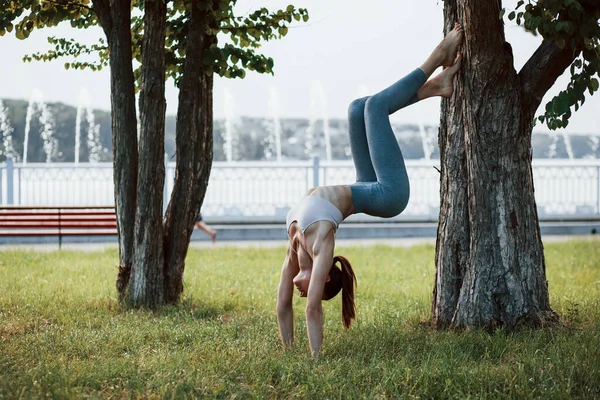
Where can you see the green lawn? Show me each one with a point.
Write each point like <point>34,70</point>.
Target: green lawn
<point>63,335</point>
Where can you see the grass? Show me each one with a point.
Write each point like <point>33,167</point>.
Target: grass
<point>63,335</point>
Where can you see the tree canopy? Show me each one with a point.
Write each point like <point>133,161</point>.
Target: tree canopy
<point>230,59</point>
<point>572,25</point>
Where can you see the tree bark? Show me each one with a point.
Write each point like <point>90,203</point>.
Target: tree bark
<point>146,287</point>
<point>115,19</point>
<point>151,270</point>
<point>194,141</point>
<point>490,267</point>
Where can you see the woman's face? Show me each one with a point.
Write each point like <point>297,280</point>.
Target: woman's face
<point>301,281</point>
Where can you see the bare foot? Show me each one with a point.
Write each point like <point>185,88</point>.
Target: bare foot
<point>442,84</point>
<point>446,51</point>
<point>445,80</point>
<point>214,236</point>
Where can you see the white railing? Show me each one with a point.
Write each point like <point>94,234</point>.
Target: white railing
<point>247,191</point>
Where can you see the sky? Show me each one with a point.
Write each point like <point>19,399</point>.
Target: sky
<point>347,49</point>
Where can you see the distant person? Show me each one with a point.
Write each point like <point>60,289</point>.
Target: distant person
<point>200,224</point>
<point>381,189</point>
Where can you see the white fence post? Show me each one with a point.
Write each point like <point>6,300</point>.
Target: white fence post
<point>9,180</point>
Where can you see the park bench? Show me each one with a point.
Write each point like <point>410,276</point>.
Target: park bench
<point>59,221</point>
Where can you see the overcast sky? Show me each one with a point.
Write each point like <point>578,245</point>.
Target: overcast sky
<point>348,48</point>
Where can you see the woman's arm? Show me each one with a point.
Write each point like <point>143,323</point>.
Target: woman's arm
<point>285,313</point>
<point>322,260</point>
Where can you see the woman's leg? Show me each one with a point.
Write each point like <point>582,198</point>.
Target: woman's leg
<point>405,92</point>
<point>206,229</point>
<point>358,142</point>
<point>389,195</point>
<point>377,154</point>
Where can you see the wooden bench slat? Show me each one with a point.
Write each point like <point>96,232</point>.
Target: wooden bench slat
<point>79,232</point>
<point>57,221</point>
<point>54,218</point>
<point>56,214</point>
<point>63,225</point>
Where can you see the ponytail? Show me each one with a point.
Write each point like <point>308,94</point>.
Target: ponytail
<point>342,279</point>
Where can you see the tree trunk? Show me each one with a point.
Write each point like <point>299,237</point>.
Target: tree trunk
<point>490,268</point>
<point>194,141</point>
<point>151,270</point>
<point>146,286</point>
<point>115,18</point>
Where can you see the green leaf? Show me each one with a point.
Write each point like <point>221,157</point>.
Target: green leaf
<point>283,30</point>
<point>512,15</point>
<point>569,27</point>
<point>594,85</point>
<point>559,26</point>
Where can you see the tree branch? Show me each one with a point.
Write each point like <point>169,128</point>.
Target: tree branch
<point>102,10</point>
<point>541,71</point>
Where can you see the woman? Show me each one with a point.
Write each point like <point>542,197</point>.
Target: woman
<point>381,189</point>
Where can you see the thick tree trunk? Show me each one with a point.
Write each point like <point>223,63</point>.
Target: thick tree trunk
<point>115,18</point>
<point>146,286</point>
<point>194,142</point>
<point>490,268</point>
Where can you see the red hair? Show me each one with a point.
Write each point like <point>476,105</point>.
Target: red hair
<point>342,279</point>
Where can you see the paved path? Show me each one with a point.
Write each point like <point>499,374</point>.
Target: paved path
<point>202,244</point>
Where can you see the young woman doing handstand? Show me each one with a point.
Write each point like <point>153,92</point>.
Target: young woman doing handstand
<point>381,189</point>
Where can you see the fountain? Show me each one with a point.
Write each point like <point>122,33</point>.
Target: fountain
<point>93,135</point>
<point>594,142</point>
<point>82,99</point>
<point>6,131</point>
<point>309,140</point>
<point>426,141</point>
<point>228,138</point>
<point>35,98</point>
<point>317,93</point>
<point>273,140</point>
<point>93,139</point>
<point>47,132</point>
<point>552,146</point>
<point>568,146</point>
<point>37,106</point>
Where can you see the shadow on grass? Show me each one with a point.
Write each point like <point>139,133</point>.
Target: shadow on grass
<point>185,310</point>
<point>189,308</point>
<point>418,343</point>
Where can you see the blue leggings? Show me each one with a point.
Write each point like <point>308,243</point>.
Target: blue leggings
<point>381,187</point>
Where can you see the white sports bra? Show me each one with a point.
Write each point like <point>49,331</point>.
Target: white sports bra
<point>311,209</point>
